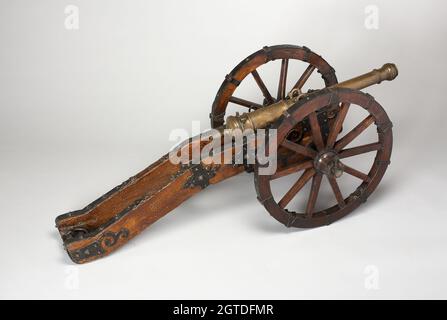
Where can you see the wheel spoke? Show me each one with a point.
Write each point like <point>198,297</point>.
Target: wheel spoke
<point>316,182</point>
<point>305,151</point>
<point>360,150</point>
<point>302,80</point>
<point>297,186</point>
<point>356,173</point>
<point>292,169</point>
<point>354,133</point>
<point>335,130</point>
<point>245,103</point>
<point>261,85</point>
<point>337,192</point>
<point>316,131</point>
<point>283,79</point>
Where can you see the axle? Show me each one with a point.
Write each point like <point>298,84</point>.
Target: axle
<point>262,117</point>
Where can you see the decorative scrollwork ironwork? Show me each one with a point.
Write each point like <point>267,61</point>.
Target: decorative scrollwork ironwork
<point>97,248</point>
<point>109,238</point>
<point>201,176</point>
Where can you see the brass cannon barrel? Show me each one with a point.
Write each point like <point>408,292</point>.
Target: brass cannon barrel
<point>262,117</point>
<point>376,76</point>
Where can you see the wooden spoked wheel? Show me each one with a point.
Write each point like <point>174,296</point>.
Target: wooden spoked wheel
<point>326,157</point>
<point>226,93</point>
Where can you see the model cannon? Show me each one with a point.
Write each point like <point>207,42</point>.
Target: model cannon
<point>307,126</point>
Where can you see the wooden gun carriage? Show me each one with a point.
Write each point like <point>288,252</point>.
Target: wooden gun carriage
<point>307,126</point>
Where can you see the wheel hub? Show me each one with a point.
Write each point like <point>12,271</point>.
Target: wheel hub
<point>328,163</point>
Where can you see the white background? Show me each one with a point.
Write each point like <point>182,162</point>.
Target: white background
<point>82,110</point>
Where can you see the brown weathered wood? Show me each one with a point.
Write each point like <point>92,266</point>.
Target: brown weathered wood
<point>310,217</point>
<point>316,131</point>
<point>295,167</point>
<point>354,133</point>
<point>356,173</point>
<point>316,183</point>
<point>256,60</point>
<point>306,151</point>
<point>115,218</point>
<point>302,80</point>
<point>338,123</point>
<point>282,79</point>
<point>297,186</point>
<point>245,103</point>
<point>337,192</point>
<point>261,85</point>
<point>345,153</point>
